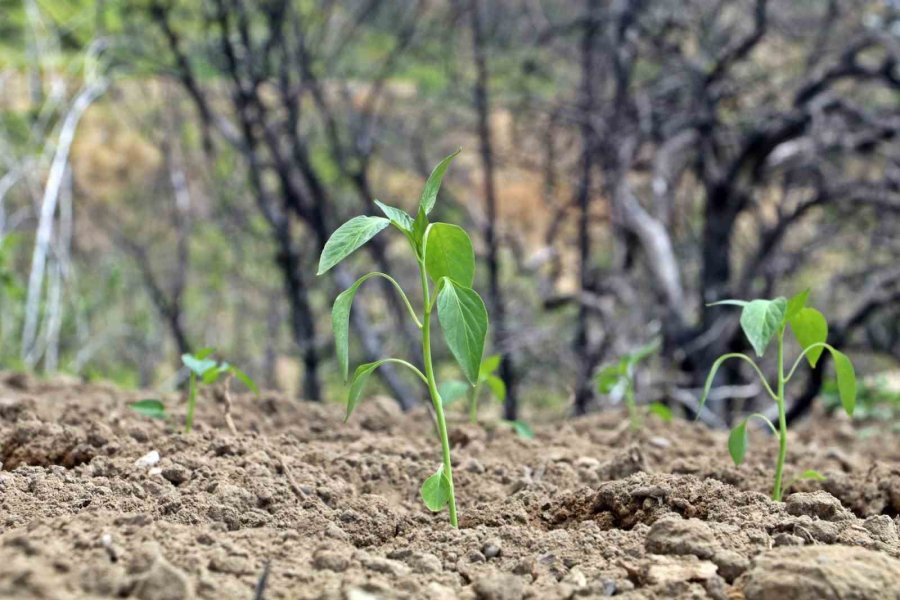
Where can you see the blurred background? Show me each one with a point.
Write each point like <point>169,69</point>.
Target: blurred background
<point>169,172</point>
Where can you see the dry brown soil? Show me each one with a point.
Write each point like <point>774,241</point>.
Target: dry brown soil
<point>325,509</point>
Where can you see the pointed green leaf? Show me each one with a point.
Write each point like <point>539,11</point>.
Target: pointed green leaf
<point>498,387</point>
<point>149,408</point>
<point>349,237</point>
<point>846,380</point>
<point>203,353</point>
<point>449,253</point>
<point>489,365</point>
<point>662,411</point>
<point>245,379</point>
<point>810,474</point>
<point>435,491</point>
<point>212,375</point>
<point>340,323</point>
<point>398,217</point>
<point>420,226</point>
<point>796,303</point>
<point>760,320</point>
<point>464,321</point>
<point>809,327</point>
<point>358,382</point>
<point>522,429</point>
<point>452,390</point>
<point>737,442</point>
<point>199,366</point>
<point>729,302</point>
<point>429,194</point>
<point>609,377</point>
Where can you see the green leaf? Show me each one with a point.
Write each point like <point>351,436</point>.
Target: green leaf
<point>449,253</point>
<point>522,429</point>
<point>809,327</point>
<point>737,442</point>
<point>662,411</point>
<point>609,377</point>
<point>433,184</point>
<point>398,217</point>
<point>435,491</point>
<point>464,321</point>
<point>204,352</point>
<point>643,352</point>
<point>340,323</point>
<point>212,375</point>
<point>489,365</point>
<point>760,320</point>
<point>846,380</point>
<point>796,303</point>
<point>199,366</point>
<point>420,226</point>
<point>349,237</point>
<point>149,408</point>
<point>358,382</point>
<point>245,379</point>
<point>452,390</point>
<point>729,302</point>
<point>810,474</point>
<point>498,387</point>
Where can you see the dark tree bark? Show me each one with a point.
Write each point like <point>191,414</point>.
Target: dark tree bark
<point>497,304</point>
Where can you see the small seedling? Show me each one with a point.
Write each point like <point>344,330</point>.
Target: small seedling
<point>618,380</point>
<point>761,320</point>
<point>454,389</point>
<point>445,255</point>
<point>203,370</point>
<point>207,371</point>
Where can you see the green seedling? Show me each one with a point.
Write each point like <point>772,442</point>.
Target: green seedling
<point>762,320</point>
<point>618,380</point>
<point>203,370</point>
<point>206,371</point>
<point>445,256</point>
<point>454,389</point>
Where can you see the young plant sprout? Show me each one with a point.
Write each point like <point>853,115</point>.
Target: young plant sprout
<point>454,389</point>
<point>444,255</point>
<point>207,371</point>
<point>618,381</point>
<point>203,370</point>
<point>761,320</point>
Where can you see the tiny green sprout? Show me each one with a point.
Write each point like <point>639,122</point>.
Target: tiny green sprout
<point>206,371</point>
<point>762,320</point>
<point>446,261</point>
<point>453,389</point>
<point>150,407</point>
<point>617,380</point>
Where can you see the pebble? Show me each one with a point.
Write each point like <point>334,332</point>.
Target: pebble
<point>492,548</point>
<point>147,460</point>
<point>821,505</point>
<point>681,536</point>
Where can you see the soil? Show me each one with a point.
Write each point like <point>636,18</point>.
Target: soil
<point>306,506</point>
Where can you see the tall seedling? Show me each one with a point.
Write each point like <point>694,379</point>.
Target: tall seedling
<point>446,263</point>
<point>762,320</point>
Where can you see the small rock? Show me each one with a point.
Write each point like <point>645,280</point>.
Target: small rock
<point>492,548</point>
<point>575,577</point>
<point>823,573</point>
<point>499,586</point>
<point>329,560</point>
<point>681,536</point>
<point>731,564</point>
<point>162,581</point>
<point>672,569</point>
<point>176,474</point>
<point>424,563</point>
<point>882,529</point>
<point>384,565</point>
<point>660,442</point>
<point>818,504</point>
<point>147,460</point>
<point>356,593</point>
<point>787,539</point>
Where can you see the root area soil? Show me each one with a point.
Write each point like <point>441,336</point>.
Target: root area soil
<point>298,504</point>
